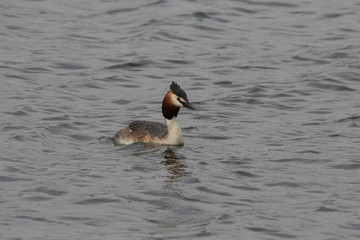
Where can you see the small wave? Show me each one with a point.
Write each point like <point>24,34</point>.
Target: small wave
<point>244,174</point>
<point>208,190</point>
<point>47,190</point>
<point>70,66</point>
<point>270,3</point>
<point>354,166</point>
<point>325,209</point>
<point>313,61</point>
<point>331,87</point>
<point>12,179</point>
<point>272,232</point>
<point>120,10</point>
<point>33,218</point>
<point>130,65</point>
<point>96,201</point>
<point>245,10</point>
<point>352,118</point>
<point>331,15</point>
<point>200,15</point>
<point>18,113</point>
<point>167,36</point>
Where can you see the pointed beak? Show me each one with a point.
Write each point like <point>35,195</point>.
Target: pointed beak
<point>188,105</point>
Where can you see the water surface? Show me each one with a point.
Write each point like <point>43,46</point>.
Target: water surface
<point>272,152</point>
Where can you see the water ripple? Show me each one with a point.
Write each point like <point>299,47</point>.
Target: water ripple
<point>96,201</point>
<point>271,153</point>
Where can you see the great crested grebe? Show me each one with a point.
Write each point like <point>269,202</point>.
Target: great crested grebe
<point>153,132</point>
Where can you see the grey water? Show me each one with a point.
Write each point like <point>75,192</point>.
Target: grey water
<point>271,153</point>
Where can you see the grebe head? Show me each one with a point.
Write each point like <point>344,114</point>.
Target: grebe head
<point>175,99</point>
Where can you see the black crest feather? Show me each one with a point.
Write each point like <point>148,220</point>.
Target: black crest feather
<point>175,88</point>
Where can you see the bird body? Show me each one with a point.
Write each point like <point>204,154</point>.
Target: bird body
<point>154,132</point>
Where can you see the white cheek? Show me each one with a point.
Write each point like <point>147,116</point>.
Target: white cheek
<point>176,102</point>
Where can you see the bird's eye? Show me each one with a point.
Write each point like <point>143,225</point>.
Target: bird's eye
<point>179,99</point>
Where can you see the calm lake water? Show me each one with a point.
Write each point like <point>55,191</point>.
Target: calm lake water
<point>272,152</point>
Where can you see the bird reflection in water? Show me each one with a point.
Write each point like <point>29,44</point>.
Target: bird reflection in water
<point>173,162</point>
<point>174,165</point>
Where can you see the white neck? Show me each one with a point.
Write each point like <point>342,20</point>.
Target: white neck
<point>174,136</point>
